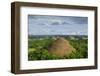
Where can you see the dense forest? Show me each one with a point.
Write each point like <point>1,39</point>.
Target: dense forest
<point>38,48</point>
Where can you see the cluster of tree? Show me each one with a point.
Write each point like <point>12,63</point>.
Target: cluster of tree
<point>40,49</point>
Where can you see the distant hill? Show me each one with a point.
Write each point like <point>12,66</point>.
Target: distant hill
<point>37,36</point>
<point>61,47</point>
<point>55,36</point>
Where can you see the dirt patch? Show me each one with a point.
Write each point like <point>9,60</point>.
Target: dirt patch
<point>61,47</point>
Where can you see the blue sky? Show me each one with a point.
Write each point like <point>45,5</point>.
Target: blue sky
<point>57,25</point>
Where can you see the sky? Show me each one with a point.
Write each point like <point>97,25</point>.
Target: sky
<point>57,25</point>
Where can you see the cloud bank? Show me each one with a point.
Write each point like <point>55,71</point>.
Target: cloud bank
<point>57,25</point>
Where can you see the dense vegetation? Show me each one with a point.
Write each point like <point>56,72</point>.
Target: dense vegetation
<point>38,49</point>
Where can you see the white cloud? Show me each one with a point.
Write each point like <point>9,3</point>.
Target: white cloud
<point>56,25</point>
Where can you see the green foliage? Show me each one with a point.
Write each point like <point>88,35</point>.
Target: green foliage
<point>81,47</point>
<point>38,49</point>
<point>41,55</point>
